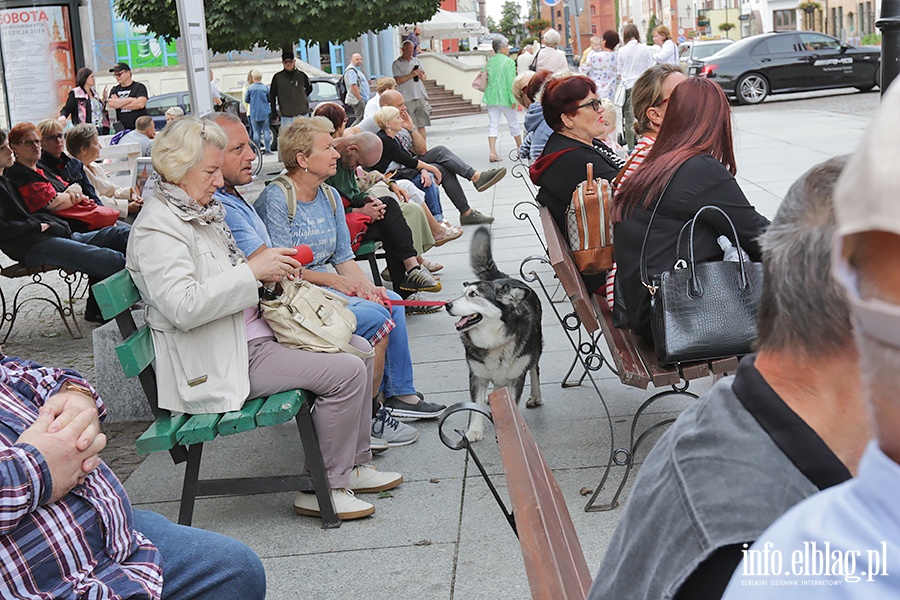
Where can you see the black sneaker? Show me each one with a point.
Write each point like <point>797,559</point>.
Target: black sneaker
<point>419,410</point>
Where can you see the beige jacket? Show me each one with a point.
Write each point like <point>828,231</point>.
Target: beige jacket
<point>195,299</point>
<point>110,195</point>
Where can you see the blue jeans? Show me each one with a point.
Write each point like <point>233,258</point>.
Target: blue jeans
<point>432,197</point>
<point>202,565</point>
<point>98,254</point>
<point>398,369</point>
<point>261,130</point>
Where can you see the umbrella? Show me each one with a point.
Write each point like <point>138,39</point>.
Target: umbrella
<point>448,24</point>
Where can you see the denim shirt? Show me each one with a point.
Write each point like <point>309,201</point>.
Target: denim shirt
<point>258,98</point>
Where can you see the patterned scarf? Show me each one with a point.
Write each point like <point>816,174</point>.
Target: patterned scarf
<point>213,213</point>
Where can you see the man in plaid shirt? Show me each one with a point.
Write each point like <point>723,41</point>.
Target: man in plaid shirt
<point>67,529</point>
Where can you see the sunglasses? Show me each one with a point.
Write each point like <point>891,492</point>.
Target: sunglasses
<point>34,143</point>
<point>54,136</point>
<point>661,102</point>
<point>595,104</point>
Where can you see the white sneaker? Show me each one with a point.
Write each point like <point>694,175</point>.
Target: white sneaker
<point>346,505</point>
<point>366,479</point>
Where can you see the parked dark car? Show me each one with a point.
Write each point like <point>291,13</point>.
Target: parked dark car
<point>324,90</point>
<point>790,61</point>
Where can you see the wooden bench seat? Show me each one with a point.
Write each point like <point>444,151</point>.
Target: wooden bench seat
<point>184,435</point>
<point>554,560</point>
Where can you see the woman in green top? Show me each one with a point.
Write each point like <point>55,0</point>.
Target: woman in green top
<point>501,70</point>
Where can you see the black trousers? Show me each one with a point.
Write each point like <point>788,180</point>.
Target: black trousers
<point>396,239</point>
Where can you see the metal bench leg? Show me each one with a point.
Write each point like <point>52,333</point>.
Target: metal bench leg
<point>190,487</point>
<point>316,465</point>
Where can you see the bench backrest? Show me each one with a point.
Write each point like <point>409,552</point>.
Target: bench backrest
<point>119,162</point>
<point>115,296</point>
<point>567,272</point>
<point>554,560</point>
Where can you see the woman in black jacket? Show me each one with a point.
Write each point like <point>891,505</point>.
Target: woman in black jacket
<point>691,165</point>
<point>84,105</point>
<point>573,110</point>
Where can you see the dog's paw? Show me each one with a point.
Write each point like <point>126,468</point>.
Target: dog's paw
<point>475,435</point>
<point>534,402</point>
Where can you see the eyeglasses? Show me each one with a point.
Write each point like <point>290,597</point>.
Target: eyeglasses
<point>661,102</point>
<point>54,136</point>
<point>34,143</point>
<point>595,104</point>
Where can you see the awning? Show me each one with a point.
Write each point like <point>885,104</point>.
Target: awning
<point>448,24</point>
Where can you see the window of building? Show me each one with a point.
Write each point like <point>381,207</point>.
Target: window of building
<point>593,30</point>
<point>785,20</point>
<point>593,11</point>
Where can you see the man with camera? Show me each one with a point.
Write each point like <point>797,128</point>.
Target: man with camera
<point>410,82</point>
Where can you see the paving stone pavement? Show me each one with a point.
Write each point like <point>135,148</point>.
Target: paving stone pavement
<point>440,535</point>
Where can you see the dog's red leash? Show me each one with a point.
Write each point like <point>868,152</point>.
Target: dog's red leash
<point>391,303</point>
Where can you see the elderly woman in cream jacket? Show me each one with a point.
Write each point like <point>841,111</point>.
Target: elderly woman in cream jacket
<point>213,349</point>
<point>83,143</point>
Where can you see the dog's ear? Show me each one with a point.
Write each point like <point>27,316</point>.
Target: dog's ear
<point>512,295</point>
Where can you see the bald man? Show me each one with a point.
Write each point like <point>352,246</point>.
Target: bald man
<point>357,87</point>
<point>388,225</point>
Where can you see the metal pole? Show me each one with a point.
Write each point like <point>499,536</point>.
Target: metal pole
<point>577,27</point>
<point>889,24</point>
<point>568,34</point>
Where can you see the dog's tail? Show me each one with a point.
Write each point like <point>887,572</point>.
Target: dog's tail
<point>482,259</point>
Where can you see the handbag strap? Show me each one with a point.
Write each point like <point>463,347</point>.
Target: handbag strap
<point>644,278</point>
<point>745,282</point>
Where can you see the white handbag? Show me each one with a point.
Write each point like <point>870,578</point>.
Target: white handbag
<point>619,97</point>
<point>312,318</point>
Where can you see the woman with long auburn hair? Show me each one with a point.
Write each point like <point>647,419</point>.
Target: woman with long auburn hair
<point>691,165</point>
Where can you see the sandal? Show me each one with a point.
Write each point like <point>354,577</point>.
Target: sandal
<point>495,158</point>
<point>431,266</point>
<point>450,234</point>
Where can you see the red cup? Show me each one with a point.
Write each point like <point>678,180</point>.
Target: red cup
<point>304,254</point>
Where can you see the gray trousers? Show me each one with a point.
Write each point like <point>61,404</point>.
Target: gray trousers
<point>343,408</point>
<point>450,166</point>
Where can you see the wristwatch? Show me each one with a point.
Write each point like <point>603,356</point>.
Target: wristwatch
<point>74,386</point>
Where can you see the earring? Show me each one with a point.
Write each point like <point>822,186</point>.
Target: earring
<point>306,169</point>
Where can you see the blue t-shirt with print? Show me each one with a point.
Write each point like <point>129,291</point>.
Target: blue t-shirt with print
<point>317,224</point>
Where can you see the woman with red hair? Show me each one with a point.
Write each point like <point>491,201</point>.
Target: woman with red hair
<point>691,165</point>
<point>573,111</point>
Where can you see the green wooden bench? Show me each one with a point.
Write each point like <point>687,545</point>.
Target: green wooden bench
<point>184,435</point>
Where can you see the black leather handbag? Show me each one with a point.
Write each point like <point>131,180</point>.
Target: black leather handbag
<point>703,311</point>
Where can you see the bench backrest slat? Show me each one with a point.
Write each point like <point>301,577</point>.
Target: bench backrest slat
<point>554,560</point>
<point>115,294</point>
<point>136,353</point>
<point>567,273</point>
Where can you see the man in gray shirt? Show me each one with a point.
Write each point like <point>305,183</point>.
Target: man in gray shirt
<point>791,422</point>
<point>410,82</point>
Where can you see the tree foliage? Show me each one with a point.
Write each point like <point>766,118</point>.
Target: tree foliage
<point>243,24</point>
<point>650,27</point>
<point>509,19</point>
<point>537,26</point>
<point>492,25</point>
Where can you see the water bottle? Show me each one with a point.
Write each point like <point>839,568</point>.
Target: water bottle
<point>730,251</point>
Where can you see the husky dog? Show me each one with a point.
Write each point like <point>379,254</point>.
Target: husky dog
<point>500,327</point>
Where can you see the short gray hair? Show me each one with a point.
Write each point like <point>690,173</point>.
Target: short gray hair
<point>803,308</point>
<point>498,43</point>
<point>221,118</point>
<point>551,37</point>
<point>180,146</point>
<point>79,138</point>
